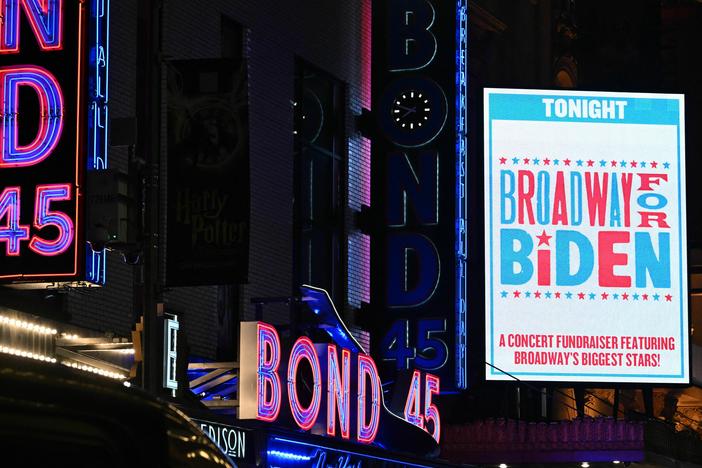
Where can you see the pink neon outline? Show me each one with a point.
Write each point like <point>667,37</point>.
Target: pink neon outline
<point>333,389</point>
<point>306,419</point>
<point>64,238</point>
<point>432,384</point>
<point>414,398</point>
<point>366,367</point>
<point>270,372</point>
<point>22,4</point>
<point>44,111</point>
<point>18,212</point>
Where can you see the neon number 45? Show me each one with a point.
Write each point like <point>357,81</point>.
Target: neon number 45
<point>413,410</point>
<point>12,232</point>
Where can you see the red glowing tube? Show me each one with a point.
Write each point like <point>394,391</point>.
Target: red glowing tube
<point>45,18</point>
<point>268,358</point>
<point>413,412</point>
<point>12,233</point>
<point>432,386</point>
<point>338,393</point>
<point>43,217</point>
<point>304,349</point>
<point>368,429</point>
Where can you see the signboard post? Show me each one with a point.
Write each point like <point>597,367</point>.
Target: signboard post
<point>586,275</point>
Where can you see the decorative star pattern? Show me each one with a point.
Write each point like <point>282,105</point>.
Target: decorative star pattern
<point>548,161</point>
<point>603,295</point>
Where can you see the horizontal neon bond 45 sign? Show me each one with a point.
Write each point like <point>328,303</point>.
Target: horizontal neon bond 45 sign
<point>585,237</point>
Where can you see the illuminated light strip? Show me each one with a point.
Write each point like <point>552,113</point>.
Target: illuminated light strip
<point>45,194</point>
<point>461,377</point>
<point>268,363</point>
<point>50,115</point>
<point>366,432</point>
<point>304,349</point>
<point>288,456</point>
<point>26,354</point>
<point>32,327</point>
<point>45,18</point>
<point>14,233</point>
<point>338,393</point>
<point>94,370</point>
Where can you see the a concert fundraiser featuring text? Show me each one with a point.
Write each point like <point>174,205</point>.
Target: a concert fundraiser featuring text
<point>585,248</point>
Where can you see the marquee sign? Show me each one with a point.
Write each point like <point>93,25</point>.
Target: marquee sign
<point>418,237</point>
<point>53,84</point>
<point>586,274</point>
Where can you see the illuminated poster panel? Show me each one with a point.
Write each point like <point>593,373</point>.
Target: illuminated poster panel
<point>585,237</point>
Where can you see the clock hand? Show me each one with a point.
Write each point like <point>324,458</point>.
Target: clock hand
<point>410,109</point>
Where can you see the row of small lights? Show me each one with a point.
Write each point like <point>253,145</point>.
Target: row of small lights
<point>94,370</point>
<point>582,465</point>
<point>26,354</point>
<point>32,327</point>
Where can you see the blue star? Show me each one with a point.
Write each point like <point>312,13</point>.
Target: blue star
<point>636,296</point>
<point>666,165</point>
<point>569,295</point>
<point>515,160</point>
<point>603,163</point>
<point>527,294</point>
<point>592,296</point>
<point>579,162</point>
<point>615,296</point>
<point>656,297</point>
<point>623,163</point>
<point>548,294</point>
<point>535,161</point>
<point>642,164</point>
<point>555,162</point>
<point>503,294</point>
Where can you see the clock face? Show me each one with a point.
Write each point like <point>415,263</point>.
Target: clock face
<point>411,110</point>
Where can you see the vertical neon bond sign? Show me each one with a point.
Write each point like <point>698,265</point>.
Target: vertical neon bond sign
<point>47,66</point>
<point>418,233</point>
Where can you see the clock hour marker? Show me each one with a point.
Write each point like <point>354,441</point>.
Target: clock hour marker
<point>419,124</point>
<point>425,101</point>
<point>398,102</point>
<point>427,109</point>
<point>419,95</point>
<point>397,111</point>
<point>412,94</point>
<point>426,118</point>
<point>411,126</point>
<point>404,96</point>
<point>397,119</point>
<point>404,125</point>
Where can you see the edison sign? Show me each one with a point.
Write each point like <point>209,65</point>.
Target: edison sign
<point>585,237</point>
<point>43,73</point>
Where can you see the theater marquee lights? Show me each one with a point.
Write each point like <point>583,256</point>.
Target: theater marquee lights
<point>586,275</point>
<point>352,398</point>
<point>51,78</point>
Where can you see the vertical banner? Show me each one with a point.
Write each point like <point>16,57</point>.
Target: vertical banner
<point>418,232</point>
<point>586,274</point>
<point>208,173</point>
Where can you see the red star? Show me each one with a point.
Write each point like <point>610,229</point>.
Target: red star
<point>558,295</point>
<point>654,164</point>
<point>625,296</point>
<point>633,163</point>
<point>566,162</point>
<point>543,238</point>
<point>503,160</point>
<point>581,295</point>
<point>516,293</point>
<point>644,297</point>
<point>590,162</point>
<point>537,294</point>
<point>668,297</point>
<point>547,161</point>
<point>526,160</point>
<point>614,163</point>
<point>604,296</point>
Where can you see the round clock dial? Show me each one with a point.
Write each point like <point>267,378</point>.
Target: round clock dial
<point>411,110</point>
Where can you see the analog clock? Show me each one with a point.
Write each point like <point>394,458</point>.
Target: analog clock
<point>412,111</point>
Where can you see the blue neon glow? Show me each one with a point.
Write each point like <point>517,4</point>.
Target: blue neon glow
<point>98,114</point>
<point>44,17</point>
<point>461,195</point>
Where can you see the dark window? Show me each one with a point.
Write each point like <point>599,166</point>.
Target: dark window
<point>320,164</point>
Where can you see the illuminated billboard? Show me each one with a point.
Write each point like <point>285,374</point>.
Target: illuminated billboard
<point>53,91</point>
<point>585,247</point>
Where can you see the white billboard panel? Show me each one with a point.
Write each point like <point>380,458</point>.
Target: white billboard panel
<point>585,247</point>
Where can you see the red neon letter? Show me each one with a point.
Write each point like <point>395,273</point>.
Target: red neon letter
<point>338,390</point>
<point>413,411</point>
<point>304,349</point>
<point>431,412</point>
<point>13,232</point>
<point>43,15</point>
<point>366,432</point>
<point>268,358</point>
<point>48,92</point>
<point>43,217</point>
